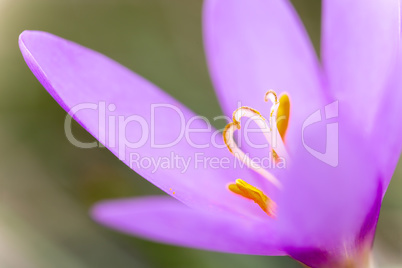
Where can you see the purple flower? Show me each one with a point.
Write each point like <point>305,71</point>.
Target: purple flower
<point>322,209</point>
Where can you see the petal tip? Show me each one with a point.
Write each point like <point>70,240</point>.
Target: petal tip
<point>21,38</point>
<point>24,35</point>
<point>100,211</point>
<point>28,36</point>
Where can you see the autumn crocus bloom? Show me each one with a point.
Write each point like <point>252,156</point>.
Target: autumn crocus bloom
<point>325,214</point>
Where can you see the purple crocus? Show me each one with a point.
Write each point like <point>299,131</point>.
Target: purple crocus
<point>321,209</point>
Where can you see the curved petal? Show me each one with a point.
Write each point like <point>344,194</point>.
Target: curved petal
<point>165,220</point>
<point>254,46</point>
<point>116,106</point>
<point>360,42</point>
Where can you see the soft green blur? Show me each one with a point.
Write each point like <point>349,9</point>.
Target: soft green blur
<point>47,185</point>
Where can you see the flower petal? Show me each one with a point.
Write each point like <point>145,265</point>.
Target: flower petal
<point>75,75</point>
<point>254,46</point>
<point>360,42</point>
<point>333,209</point>
<point>351,249</point>
<point>165,220</point>
<point>387,131</point>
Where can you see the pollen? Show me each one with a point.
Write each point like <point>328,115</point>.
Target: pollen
<point>248,191</point>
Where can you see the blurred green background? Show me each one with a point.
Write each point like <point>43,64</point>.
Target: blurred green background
<point>47,185</point>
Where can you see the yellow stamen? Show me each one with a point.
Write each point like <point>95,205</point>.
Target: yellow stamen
<point>279,118</point>
<point>279,114</point>
<point>248,191</point>
<point>275,156</point>
<point>282,116</point>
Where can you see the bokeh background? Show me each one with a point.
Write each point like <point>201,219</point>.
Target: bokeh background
<point>47,185</point>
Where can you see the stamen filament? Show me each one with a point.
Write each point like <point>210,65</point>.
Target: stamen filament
<point>271,96</point>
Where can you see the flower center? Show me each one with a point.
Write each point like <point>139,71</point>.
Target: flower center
<point>276,127</point>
